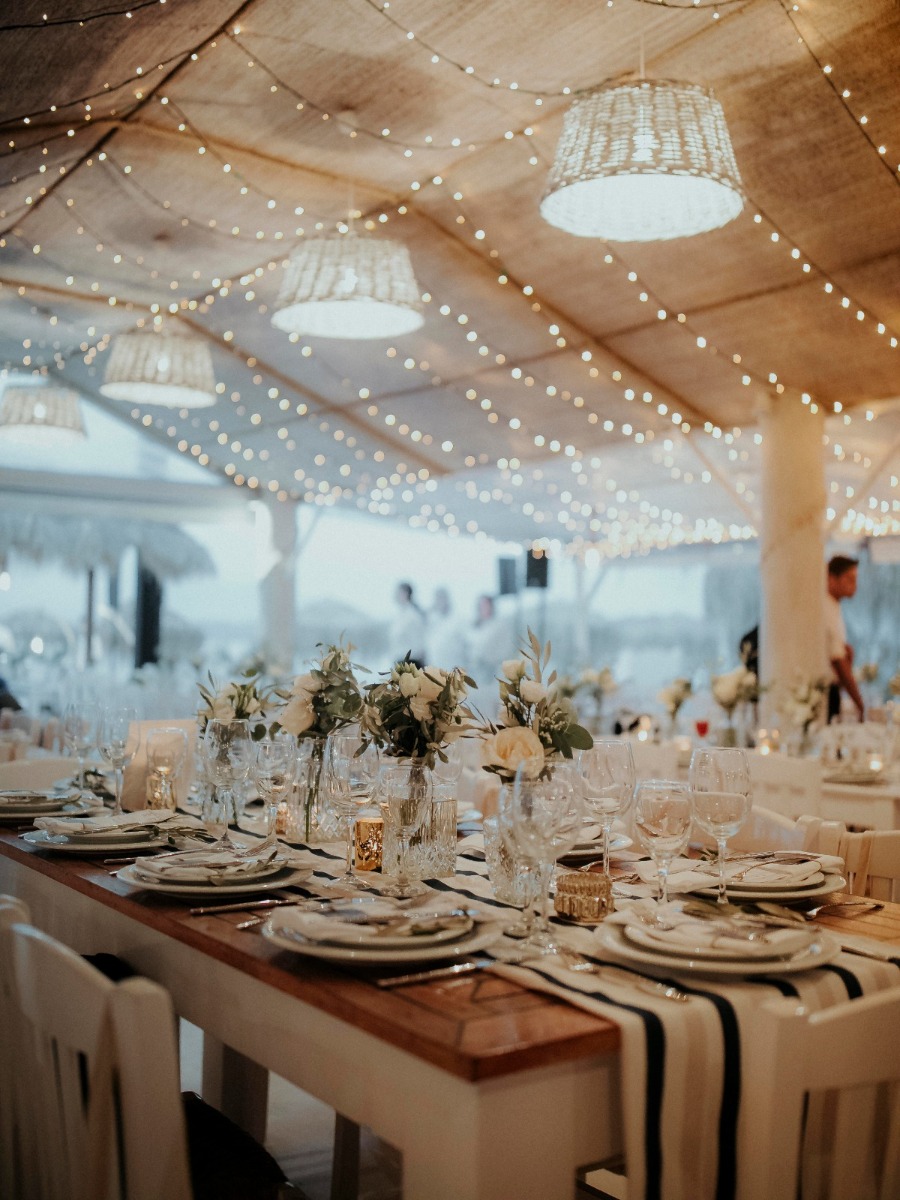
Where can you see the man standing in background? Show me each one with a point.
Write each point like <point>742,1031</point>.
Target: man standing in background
<point>842,572</point>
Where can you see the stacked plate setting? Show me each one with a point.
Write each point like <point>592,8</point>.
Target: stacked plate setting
<point>378,932</point>
<point>216,870</point>
<point>24,804</point>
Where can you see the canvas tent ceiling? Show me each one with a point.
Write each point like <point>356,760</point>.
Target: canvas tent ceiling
<point>537,401</point>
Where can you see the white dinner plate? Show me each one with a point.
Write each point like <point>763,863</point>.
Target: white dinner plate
<point>280,930</point>
<point>783,885</point>
<point>726,950</point>
<point>831,883</point>
<point>333,930</point>
<point>42,840</point>
<point>284,877</point>
<point>73,808</point>
<point>591,851</point>
<point>822,950</point>
<point>855,778</point>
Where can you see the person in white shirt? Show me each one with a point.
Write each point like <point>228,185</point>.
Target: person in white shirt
<point>446,648</point>
<point>842,579</point>
<point>408,629</point>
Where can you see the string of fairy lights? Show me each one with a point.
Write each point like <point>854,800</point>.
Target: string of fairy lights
<point>550,388</point>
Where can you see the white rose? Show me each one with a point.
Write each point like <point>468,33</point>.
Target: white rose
<point>409,683</point>
<point>507,748</point>
<point>306,683</point>
<point>420,708</point>
<point>297,715</point>
<point>431,682</point>
<point>222,708</point>
<point>531,691</point>
<point>513,669</point>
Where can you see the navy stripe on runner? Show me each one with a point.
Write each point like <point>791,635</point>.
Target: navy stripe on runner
<point>655,1058</point>
<point>851,983</point>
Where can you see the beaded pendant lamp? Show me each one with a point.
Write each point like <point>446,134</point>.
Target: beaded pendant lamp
<point>156,367</point>
<point>643,161</point>
<point>349,286</point>
<point>40,416</point>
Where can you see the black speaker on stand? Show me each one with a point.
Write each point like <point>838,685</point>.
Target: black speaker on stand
<point>508,576</point>
<point>537,567</point>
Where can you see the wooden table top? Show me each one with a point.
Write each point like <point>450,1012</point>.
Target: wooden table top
<point>476,1026</point>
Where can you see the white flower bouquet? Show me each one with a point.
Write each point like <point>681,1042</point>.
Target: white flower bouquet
<point>596,683</point>
<point>327,698</point>
<point>739,686</point>
<point>416,712</point>
<point>675,694</point>
<point>539,724</point>
<point>804,703</point>
<point>236,701</point>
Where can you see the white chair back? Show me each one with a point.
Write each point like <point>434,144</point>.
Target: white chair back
<point>36,772</point>
<point>30,726</point>
<point>790,786</point>
<point>872,860</point>
<point>854,1153</point>
<point>102,1080</point>
<point>12,911</point>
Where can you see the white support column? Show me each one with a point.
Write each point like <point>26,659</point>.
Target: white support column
<point>792,545</point>
<point>277,587</point>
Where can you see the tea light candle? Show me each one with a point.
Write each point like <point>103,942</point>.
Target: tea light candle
<point>763,744</point>
<point>875,763</point>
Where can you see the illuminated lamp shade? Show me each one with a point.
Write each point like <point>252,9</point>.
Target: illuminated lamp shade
<point>643,161</point>
<point>349,286</point>
<point>40,416</point>
<point>163,368</point>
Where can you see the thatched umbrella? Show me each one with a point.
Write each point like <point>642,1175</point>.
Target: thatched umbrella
<point>85,543</point>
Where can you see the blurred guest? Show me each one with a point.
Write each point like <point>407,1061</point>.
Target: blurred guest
<point>444,639</point>
<point>7,699</point>
<point>842,579</point>
<point>408,629</point>
<point>484,645</point>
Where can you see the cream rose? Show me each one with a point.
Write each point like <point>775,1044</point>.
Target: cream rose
<point>409,684</point>
<point>504,750</point>
<point>297,715</point>
<point>222,708</point>
<point>431,682</point>
<point>513,669</point>
<point>531,691</point>
<point>307,684</point>
<point>420,707</point>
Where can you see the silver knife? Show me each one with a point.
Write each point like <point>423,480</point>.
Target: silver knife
<point>226,908</point>
<point>461,968</point>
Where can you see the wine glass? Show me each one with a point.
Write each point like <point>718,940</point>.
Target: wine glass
<point>80,732</point>
<point>118,739</point>
<point>545,817</point>
<point>227,754</point>
<point>273,773</point>
<point>607,779</point>
<point>720,791</point>
<point>404,795</point>
<point>352,774</point>
<point>166,752</point>
<point>662,817</point>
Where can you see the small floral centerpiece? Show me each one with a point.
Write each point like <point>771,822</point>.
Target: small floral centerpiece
<point>739,686</point>
<point>867,672</point>
<point>416,712</point>
<point>803,706</point>
<point>240,700</point>
<point>538,724</point>
<point>324,700</point>
<point>596,683</point>
<point>674,695</point>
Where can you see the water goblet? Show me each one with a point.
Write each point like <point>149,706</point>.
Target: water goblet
<point>662,818</point>
<point>227,755</point>
<point>80,732</point>
<point>167,749</point>
<point>118,738</point>
<point>607,778</point>
<point>274,768</point>
<point>352,772</point>
<point>720,793</point>
<point>404,795</point>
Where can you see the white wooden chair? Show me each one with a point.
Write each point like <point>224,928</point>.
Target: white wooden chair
<point>12,912</point>
<point>769,830</point>
<point>790,786</point>
<point>100,1106</point>
<point>36,772</point>
<point>855,1154</point>
<point>872,860</point>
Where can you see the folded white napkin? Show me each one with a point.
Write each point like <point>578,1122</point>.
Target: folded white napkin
<point>212,865</point>
<point>365,927</point>
<point>674,931</point>
<point>689,875</point>
<point>107,822</point>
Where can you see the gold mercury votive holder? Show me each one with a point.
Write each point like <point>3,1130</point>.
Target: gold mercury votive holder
<point>368,842</point>
<point>584,897</point>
